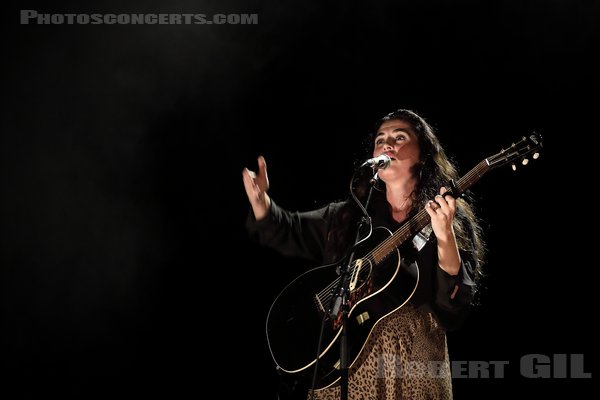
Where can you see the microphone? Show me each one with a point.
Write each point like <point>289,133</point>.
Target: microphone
<point>382,161</point>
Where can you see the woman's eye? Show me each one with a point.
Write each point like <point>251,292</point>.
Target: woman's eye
<point>399,138</point>
<point>378,141</point>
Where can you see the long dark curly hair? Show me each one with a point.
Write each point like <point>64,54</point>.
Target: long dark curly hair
<point>433,171</point>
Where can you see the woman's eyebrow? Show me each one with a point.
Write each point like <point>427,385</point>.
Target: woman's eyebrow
<point>394,131</point>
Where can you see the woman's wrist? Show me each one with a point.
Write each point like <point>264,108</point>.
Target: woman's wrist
<point>261,209</point>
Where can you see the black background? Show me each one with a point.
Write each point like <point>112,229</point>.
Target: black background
<point>125,269</point>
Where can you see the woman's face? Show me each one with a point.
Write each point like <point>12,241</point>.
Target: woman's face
<point>397,139</point>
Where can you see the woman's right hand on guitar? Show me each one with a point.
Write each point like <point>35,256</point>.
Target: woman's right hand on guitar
<point>257,185</point>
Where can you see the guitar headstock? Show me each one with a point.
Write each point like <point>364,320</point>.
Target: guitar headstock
<point>518,152</point>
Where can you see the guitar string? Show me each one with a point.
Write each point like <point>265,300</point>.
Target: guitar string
<point>384,248</point>
<point>381,251</point>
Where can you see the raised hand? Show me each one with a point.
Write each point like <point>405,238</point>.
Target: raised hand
<point>257,186</point>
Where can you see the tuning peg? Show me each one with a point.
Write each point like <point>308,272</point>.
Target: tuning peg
<point>525,161</point>
<point>536,155</point>
<point>514,167</point>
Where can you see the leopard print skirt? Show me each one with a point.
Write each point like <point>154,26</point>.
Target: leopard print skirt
<point>405,358</point>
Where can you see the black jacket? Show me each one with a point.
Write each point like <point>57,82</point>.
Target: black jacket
<point>307,235</point>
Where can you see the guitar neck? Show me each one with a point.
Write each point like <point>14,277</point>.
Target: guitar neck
<point>422,218</point>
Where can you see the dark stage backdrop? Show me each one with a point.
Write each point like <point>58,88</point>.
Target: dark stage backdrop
<point>125,269</point>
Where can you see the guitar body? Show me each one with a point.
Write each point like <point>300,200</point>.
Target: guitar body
<point>295,318</point>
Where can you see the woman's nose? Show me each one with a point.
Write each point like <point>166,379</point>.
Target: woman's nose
<point>388,144</point>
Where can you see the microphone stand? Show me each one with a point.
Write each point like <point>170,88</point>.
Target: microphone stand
<point>341,299</point>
